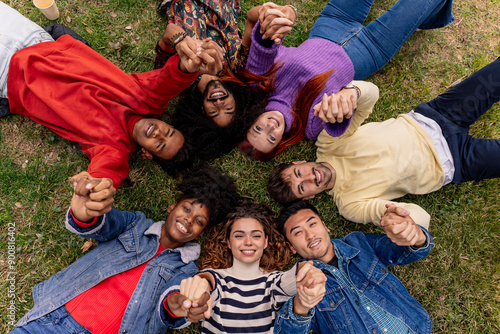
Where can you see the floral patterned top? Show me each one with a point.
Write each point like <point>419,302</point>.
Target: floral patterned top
<point>217,19</point>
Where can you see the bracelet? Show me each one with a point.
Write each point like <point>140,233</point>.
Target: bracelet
<point>295,10</point>
<point>358,92</point>
<point>177,38</point>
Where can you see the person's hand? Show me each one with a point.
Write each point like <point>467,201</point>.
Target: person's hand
<point>336,108</point>
<point>92,197</point>
<point>400,227</point>
<point>204,56</point>
<point>310,288</point>
<point>181,306</point>
<point>308,275</point>
<point>276,21</point>
<point>193,289</point>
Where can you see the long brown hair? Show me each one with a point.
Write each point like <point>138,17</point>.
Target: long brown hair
<point>218,255</point>
<point>300,112</point>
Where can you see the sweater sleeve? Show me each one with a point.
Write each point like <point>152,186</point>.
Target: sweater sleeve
<point>283,287</point>
<point>366,102</point>
<point>161,85</point>
<point>372,210</point>
<point>262,54</point>
<point>108,161</point>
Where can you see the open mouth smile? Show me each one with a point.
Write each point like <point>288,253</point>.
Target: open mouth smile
<point>182,228</point>
<point>314,244</point>
<point>217,94</point>
<point>275,121</point>
<point>149,129</point>
<point>248,252</point>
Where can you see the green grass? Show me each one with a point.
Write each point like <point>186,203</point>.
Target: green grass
<point>459,283</point>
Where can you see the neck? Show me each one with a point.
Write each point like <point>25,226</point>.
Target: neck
<point>246,270</point>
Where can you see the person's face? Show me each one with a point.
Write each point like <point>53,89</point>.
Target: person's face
<point>187,219</point>
<point>266,132</point>
<point>309,178</point>
<point>157,138</point>
<point>247,240</point>
<point>308,236</point>
<point>218,103</point>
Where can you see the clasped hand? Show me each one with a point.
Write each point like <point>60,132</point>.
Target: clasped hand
<point>336,107</point>
<point>204,56</point>
<point>276,21</point>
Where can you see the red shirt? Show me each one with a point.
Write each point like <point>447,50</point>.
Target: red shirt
<point>83,97</point>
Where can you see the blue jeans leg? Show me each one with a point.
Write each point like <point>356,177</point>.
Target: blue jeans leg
<point>371,47</point>
<point>56,322</point>
<point>457,109</point>
<point>16,32</point>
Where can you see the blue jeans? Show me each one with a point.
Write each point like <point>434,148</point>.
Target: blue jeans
<point>371,47</point>
<point>56,322</point>
<point>455,111</point>
<point>16,33</point>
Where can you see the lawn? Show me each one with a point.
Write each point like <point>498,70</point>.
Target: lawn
<point>458,283</point>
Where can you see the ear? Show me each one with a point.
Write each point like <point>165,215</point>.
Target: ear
<point>308,198</point>
<point>291,248</point>
<point>146,154</point>
<point>171,207</point>
<point>265,246</point>
<point>298,162</point>
<point>228,244</point>
<point>326,227</point>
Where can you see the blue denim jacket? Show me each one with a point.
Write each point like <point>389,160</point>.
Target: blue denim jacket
<point>126,240</point>
<point>366,257</point>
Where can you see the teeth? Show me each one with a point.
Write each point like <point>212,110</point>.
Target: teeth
<point>182,228</point>
<point>217,95</point>
<point>248,252</point>
<point>318,176</point>
<point>314,244</point>
<point>150,130</point>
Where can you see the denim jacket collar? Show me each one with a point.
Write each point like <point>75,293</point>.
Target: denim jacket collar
<point>189,251</point>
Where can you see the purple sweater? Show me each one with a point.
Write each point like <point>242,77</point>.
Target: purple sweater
<point>299,64</point>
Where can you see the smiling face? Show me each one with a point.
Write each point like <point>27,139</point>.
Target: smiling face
<point>247,240</point>
<point>267,131</point>
<point>218,103</point>
<point>309,178</point>
<point>157,138</point>
<point>309,236</point>
<point>185,222</point>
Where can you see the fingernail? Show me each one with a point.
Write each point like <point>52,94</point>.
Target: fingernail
<point>406,212</point>
<point>88,186</point>
<point>74,185</point>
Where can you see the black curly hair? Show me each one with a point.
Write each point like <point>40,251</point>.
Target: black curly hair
<point>210,141</point>
<point>212,187</point>
<point>179,162</point>
<point>279,188</point>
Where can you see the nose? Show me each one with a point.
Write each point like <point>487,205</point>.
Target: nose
<point>309,176</point>
<point>309,235</point>
<point>219,103</point>
<point>188,219</point>
<point>247,240</point>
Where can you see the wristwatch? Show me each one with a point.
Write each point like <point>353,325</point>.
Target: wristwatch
<point>358,92</point>
<point>177,38</point>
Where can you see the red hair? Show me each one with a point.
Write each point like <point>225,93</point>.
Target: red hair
<point>300,112</point>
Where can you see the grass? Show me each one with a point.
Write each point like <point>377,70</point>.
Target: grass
<point>459,283</point>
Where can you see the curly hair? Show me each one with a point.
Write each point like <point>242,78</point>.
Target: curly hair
<point>212,187</point>
<point>217,253</point>
<point>209,141</point>
<point>179,162</point>
<point>279,188</point>
<point>289,211</point>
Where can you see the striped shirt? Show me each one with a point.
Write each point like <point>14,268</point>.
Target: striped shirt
<point>243,305</point>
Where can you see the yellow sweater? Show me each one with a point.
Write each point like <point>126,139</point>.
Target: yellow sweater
<point>378,162</point>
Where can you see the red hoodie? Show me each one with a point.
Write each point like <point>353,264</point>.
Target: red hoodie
<point>83,97</point>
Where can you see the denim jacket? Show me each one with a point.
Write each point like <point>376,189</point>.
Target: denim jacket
<point>125,240</point>
<point>366,257</point>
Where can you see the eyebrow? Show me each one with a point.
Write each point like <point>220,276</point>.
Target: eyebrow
<point>296,227</point>
<point>253,231</point>
<point>172,133</point>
